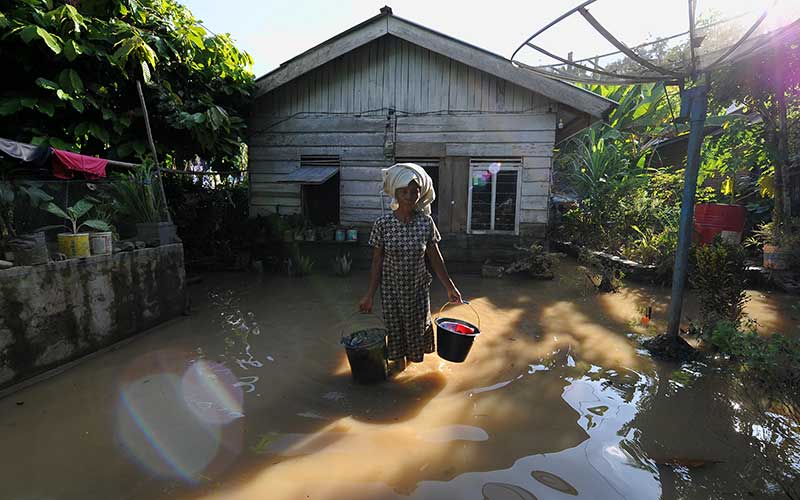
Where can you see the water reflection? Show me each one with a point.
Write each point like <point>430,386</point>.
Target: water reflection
<point>554,482</point>
<point>609,463</point>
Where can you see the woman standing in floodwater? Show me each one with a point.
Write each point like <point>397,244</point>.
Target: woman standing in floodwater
<point>401,240</point>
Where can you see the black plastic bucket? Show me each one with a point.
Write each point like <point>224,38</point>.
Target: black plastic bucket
<point>368,362</point>
<point>452,345</point>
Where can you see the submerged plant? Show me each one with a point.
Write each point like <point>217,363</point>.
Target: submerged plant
<point>604,277</point>
<point>718,275</point>
<point>304,265</point>
<point>535,260</point>
<point>342,264</point>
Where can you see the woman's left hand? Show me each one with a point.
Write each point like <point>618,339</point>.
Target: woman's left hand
<point>454,295</point>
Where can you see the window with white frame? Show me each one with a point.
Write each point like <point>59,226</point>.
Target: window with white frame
<point>494,194</point>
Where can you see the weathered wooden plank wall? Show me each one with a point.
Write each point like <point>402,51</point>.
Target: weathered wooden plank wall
<point>390,72</point>
<point>341,108</point>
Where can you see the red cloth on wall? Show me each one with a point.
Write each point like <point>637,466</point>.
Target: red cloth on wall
<point>65,164</point>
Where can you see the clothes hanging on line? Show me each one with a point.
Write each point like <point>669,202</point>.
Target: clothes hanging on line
<point>66,164</point>
<point>37,155</point>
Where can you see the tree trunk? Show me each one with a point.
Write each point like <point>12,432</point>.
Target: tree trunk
<point>779,210</point>
<point>782,209</point>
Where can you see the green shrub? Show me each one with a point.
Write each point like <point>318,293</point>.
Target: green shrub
<point>718,275</point>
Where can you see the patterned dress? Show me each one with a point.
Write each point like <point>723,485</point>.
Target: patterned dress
<point>406,283</point>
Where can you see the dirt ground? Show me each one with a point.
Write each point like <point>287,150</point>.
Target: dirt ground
<point>251,397</point>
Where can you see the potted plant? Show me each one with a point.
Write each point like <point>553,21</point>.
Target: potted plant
<point>304,265</point>
<point>779,245</point>
<point>135,195</point>
<point>342,264</point>
<point>22,249</point>
<point>75,243</point>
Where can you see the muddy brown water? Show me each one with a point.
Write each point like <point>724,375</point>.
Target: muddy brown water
<point>251,397</point>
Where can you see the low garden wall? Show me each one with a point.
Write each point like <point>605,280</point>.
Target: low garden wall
<point>53,313</point>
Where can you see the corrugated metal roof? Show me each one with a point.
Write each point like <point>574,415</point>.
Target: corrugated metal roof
<point>310,175</point>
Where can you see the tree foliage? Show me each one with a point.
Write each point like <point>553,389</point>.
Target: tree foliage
<point>71,70</point>
<point>768,83</point>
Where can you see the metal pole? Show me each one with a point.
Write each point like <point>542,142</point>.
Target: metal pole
<point>696,101</point>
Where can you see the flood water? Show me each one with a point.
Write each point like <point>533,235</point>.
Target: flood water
<point>251,397</point>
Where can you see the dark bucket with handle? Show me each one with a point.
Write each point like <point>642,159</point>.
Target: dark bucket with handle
<point>454,337</point>
<point>367,354</point>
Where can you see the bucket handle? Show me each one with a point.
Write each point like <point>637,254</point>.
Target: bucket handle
<point>465,302</point>
<point>352,315</point>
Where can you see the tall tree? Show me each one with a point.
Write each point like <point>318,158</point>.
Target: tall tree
<point>769,84</point>
<point>71,71</point>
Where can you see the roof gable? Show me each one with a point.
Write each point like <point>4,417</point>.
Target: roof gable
<point>388,24</point>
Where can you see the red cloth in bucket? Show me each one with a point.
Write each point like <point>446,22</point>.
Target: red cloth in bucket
<point>457,328</point>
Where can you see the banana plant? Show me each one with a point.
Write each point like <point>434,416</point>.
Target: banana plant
<point>74,214</point>
<point>10,193</point>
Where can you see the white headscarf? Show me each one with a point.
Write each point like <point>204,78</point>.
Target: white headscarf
<point>400,175</point>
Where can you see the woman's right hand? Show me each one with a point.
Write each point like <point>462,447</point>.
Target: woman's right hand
<point>365,306</point>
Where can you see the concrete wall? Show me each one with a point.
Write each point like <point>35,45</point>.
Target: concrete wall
<point>54,313</point>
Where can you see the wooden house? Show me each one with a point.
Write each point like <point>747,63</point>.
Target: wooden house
<point>388,90</point>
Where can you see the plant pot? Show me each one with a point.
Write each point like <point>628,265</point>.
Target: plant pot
<point>162,232</point>
<point>327,234</point>
<point>101,242</point>
<point>28,250</point>
<point>352,235</point>
<point>74,245</point>
<point>38,237</point>
<point>775,258</point>
<point>339,235</point>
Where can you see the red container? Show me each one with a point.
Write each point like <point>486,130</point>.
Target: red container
<point>713,219</point>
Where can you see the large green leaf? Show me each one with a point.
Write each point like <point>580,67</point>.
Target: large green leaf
<point>124,49</point>
<point>72,50</point>
<point>49,39</point>
<point>99,132</point>
<point>46,84</point>
<point>78,105</point>
<point>36,195</point>
<point>145,72</point>
<point>80,208</point>
<point>10,105</point>
<point>56,210</point>
<point>46,107</point>
<point>82,129</point>
<point>75,81</point>
<point>97,224</point>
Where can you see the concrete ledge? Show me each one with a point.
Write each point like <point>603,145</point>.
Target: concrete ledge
<point>56,312</point>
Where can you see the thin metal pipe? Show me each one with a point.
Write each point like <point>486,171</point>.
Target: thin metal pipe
<point>580,66</point>
<point>622,47</point>
<point>622,79</point>
<point>698,102</point>
<point>693,62</point>
<point>552,23</point>
<point>741,41</point>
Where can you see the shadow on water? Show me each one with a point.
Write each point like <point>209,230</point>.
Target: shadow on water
<point>554,399</point>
